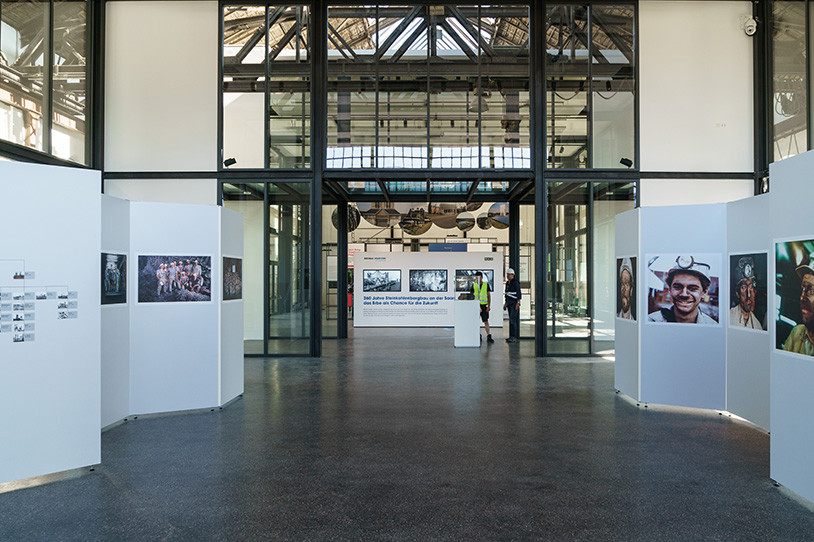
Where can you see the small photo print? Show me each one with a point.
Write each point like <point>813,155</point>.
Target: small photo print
<point>232,278</point>
<point>626,288</point>
<point>19,275</point>
<point>465,279</point>
<point>794,296</point>
<point>428,280</point>
<point>114,278</point>
<point>41,296</point>
<point>163,279</point>
<point>19,337</point>
<point>748,295</point>
<point>683,288</point>
<point>381,280</point>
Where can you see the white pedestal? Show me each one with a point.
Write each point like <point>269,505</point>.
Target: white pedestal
<point>467,323</point>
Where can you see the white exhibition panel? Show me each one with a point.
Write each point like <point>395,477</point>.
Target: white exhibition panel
<point>792,375</point>
<point>683,364</point>
<point>49,382</point>
<point>747,360</point>
<point>467,323</point>
<point>626,367</point>
<point>175,346</point>
<point>404,308</point>
<point>231,313</point>
<point>115,318</point>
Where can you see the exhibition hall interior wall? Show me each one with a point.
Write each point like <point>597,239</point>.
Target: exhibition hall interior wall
<point>49,320</point>
<point>419,289</point>
<point>792,374</point>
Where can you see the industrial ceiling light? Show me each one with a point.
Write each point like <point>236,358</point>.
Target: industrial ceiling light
<point>229,162</point>
<point>627,162</point>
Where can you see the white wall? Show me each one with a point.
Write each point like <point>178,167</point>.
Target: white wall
<point>655,192</point>
<point>626,367</point>
<point>604,271</point>
<point>116,318</point>
<point>196,192</point>
<point>747,362</point>
<point>175,347</point>
<point>231,312</point>
<point>792,375</point>
<point>695,81</point>
<point>253,262</point>
<point>161,86</point>
<point>50,386</point>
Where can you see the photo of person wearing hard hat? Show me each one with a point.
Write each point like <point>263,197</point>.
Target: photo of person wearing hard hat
<point>795,294</point>
<point>688,289</point>
<point>748,300</point>
<point>626,288</point>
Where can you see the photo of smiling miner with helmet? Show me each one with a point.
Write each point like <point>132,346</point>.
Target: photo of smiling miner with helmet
<point>795,297</point>
<point>683,288</point>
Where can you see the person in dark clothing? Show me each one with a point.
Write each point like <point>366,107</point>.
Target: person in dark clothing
<point>512,304</point>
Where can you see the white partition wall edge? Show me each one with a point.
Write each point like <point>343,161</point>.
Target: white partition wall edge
<point>792,375</point>
<point>627,366</point>
<point>116,317</point>
<point>49,368</point>
<point>747,363</point>
<point>231,312</point>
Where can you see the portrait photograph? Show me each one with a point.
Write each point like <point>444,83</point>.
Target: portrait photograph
<point>794,295</point>
<point>748,287</point>
<point>381,280</point>
<point>626,288</point>
<point>428,280</point>
<point>232,278</point>
<point>114,278</point>
<point>683,288</point>
<point>163,279</point>
<point>465,278</point>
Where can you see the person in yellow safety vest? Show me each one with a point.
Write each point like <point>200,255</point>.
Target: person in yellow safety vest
<point>483,294</point>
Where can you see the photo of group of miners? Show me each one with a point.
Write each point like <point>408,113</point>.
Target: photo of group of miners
<point>164,279</point>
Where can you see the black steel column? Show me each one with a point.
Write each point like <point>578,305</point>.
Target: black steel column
<point>342,270</point>
<point>763,68</point>
<point>48,79</point>
<point>266,270</point>
<point>95,62</point>
<point>514,246</point>
<point>319,140</point>
<point>538,138</point>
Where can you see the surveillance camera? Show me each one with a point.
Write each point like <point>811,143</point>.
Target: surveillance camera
<point>749,25</point>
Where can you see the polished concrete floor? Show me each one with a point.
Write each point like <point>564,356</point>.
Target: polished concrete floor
<point>398,436</point>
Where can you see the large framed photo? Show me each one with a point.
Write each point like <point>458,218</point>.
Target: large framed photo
<point>232,278</point>
<point>683,288</point>
<point>428,280</point>
<point>465,278</point>
<point>114,278</point>
<point>748,287</point>
<point>626,288</point>
<point>163,279</point>
<point>381,280</point>
<point>794,295</point>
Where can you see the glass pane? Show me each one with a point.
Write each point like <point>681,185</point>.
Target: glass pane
<point>289,314</point>
<point>24,34</point>
<point>568,317</point>
<point>330,272</point>
<point>352,42</point>
<point>527,272</point>
<point>244,86</point>
<point>610,199</point>
<point>69,131</point>
<point>289,114</point>
<point>789,104</point>
<point>247,199</point>
<point>567,123</point>
<point>613,76</point>
<point>504,96</point>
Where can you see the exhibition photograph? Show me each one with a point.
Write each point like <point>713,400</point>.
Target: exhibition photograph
<point>417,271</point>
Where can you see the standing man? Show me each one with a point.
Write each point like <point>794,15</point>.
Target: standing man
<point>688,282</point>
<point>801,337</point>
<point>512,304</point>
<point>483,294</point>
<point>743,313</point>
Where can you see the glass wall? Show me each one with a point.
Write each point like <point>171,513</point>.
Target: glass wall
<point>590,83</point>
<point>789,79</point>
<point>43,76</point>
<point>526,271</point>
